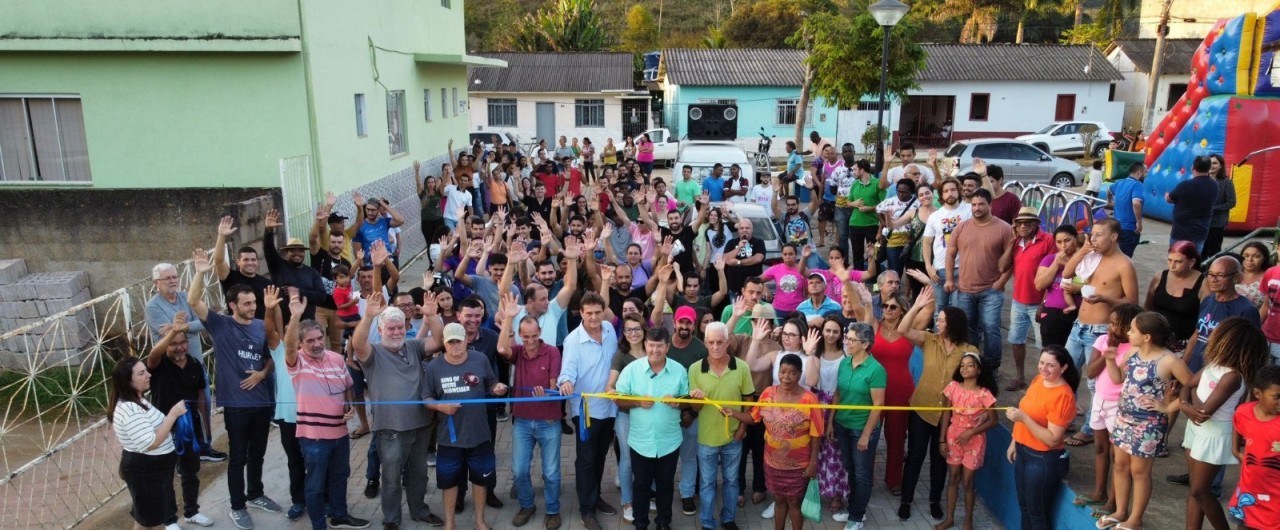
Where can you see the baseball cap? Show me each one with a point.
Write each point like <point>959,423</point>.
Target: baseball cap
<point>336,217</point>
<point>819,276</point>
<point>686,313</point>
<point>454,331</point>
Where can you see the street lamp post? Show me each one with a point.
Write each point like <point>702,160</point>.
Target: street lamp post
<point>887,13</point>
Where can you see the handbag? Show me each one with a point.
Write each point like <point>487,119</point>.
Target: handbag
<point>812,505</point>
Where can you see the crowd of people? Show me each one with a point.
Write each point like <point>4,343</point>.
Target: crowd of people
<point>594,299</point>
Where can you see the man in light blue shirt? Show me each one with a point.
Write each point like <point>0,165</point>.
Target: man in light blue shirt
<point>548,311</point>
<point>588,352</point>
<point>656,435</point>
<point>713,184</point>
<point>817,304</point>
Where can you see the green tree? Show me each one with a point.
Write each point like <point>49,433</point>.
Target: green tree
<point>567,26</point>
<point>846,58</point>
<point>714,39</point>
<point>764,24</point>
<point>1115,14</point>
<point>641,33</point>
<point>1095,33</point>
<point>981,17</point>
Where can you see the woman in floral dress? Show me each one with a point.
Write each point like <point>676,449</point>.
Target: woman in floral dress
<point>1143,417</point>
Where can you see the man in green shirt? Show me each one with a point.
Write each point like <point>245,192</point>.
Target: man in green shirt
<point>739,315</point>
<point>719,377</point>
<point>864,195</point>
<point>687,190</point>
<point>655,427</point>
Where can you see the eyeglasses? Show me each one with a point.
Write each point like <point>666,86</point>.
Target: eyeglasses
<point>632,330</point>
<point>1220,276</point>
<point>789,334</point>
<point>851,339</point>
<point>887,307</point>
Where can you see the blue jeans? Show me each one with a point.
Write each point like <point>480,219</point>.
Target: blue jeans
<point>689,462</point>
<point>861,467</point>
<point>1079,344</point>
<point>940,293</point>
<point>328,466</point>
<point>622,427</point>
<point>1038,476</point>
<point>983,309</point>
<point>719,460</point>
<point>546,434</point>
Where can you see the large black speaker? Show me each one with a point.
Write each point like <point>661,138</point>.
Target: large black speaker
<point>712,122</point>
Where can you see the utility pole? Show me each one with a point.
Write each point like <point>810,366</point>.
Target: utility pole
<point>1157,65</point>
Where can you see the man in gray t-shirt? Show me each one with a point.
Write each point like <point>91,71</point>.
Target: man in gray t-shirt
<point>465,443</point>
<point>393,369</point>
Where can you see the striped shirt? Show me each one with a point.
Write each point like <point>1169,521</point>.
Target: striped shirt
<point>320,385</point>
<point>136,426</point>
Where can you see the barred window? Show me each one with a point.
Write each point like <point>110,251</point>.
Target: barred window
<point>786,112</point>
<point>502,113</point>
<point>395,122</point>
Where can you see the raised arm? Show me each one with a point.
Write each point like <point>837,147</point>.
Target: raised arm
<point>507,311</point>
<point>170,331</point>
<point>572,254</point>
<point>719,296</point>
<point>226,227</point>
<point>360,337</point>
<point>271,314</point>
<point>379,258</point>
<point>195,293</point>
<point>924,303</point>
<point>270,223</point>
<point>473,251</point>
<point>397,219</point>
<point>297,305</point>
<point>757,359</point>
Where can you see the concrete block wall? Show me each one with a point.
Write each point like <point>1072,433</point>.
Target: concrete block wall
<point>30,298</point>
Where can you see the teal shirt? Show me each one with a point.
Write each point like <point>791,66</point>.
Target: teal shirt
<point>655,432</point>
<point>871,195</point>
<point>854,385</point>
<point>687,191</point>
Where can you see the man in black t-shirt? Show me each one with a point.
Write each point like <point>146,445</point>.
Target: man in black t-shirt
<point>246,271</point>
<point>176,376</point>
<point>677,231</point>
<point>324,257</point>
<point>743,256</point>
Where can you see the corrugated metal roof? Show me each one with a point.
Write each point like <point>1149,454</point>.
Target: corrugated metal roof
<point>554,72</point>
<point>734,67</point>
<point>1016,62</point>
<point>1177,54</point>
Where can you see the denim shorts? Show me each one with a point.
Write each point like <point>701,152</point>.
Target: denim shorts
<point>1022,318</point>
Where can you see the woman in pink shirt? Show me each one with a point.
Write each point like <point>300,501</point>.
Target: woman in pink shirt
<point>644,156</point>
<point>788,280</point>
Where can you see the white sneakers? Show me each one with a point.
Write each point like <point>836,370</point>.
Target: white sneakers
<point>768,511</point>
<point>198,519</point>
<point>628,515</point>
<point>840,516</point>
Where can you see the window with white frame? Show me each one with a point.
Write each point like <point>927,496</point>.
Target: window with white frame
<point>588,113</point>
<point>426,103</point>
<point>786,112</point>
<point>362,124</point>
<point>395,122</point>
<point>43,139</point>
<point>444,103</point>
<point>455,100</point>
<point>502,113</point>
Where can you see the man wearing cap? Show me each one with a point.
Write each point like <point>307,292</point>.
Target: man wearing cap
<point>655,437</point>
<point>465,447</point>
<point>393,368</point>
<point>817,304</point>
<point>687,349</point>
<point>719,377</point>
<point>1031,247</point>
<point>536,365</point>
<point>326,253</point>
<point>752,293</point>
<point>290,270</point>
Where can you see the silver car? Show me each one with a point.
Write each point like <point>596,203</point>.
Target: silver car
<point>1020,162</point>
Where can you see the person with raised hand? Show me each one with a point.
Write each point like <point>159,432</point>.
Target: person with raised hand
<point>242,363</point>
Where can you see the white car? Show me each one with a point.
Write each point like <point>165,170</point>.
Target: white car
<point>703,155</point>
<point>486,138</point>
<point>1063,138</point>
<point>763,227</point>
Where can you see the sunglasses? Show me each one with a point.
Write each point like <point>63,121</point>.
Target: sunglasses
<point>887,307</point>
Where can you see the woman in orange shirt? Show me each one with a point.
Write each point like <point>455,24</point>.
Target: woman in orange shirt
<point>1040,424</point>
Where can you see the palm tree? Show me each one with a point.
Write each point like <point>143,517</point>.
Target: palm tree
<point>982,17</point>
<point>714,39</point>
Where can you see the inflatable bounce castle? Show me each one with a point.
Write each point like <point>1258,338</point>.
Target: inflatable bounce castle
<point>1232,107</point>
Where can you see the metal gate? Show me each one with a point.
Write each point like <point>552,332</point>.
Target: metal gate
<point>545,115</point>
<point>296,189</point>
<point>635,116</point>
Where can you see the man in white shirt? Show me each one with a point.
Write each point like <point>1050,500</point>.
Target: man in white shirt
<point>937,234</point>
<point>907,157</point>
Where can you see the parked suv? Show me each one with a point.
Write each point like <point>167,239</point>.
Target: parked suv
<point>1021,162</point>
<point>702,155</point>
<point>1063,138</point>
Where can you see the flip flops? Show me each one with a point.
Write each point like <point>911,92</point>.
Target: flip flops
<point>1076,440</point>
<point>1083,500</point>
<point>1107,522</point>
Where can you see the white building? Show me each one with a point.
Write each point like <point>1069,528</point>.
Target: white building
<point>995,90</point>
<point>546,95</point>
<point>1192,19</point>
<point>1133,59</point>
